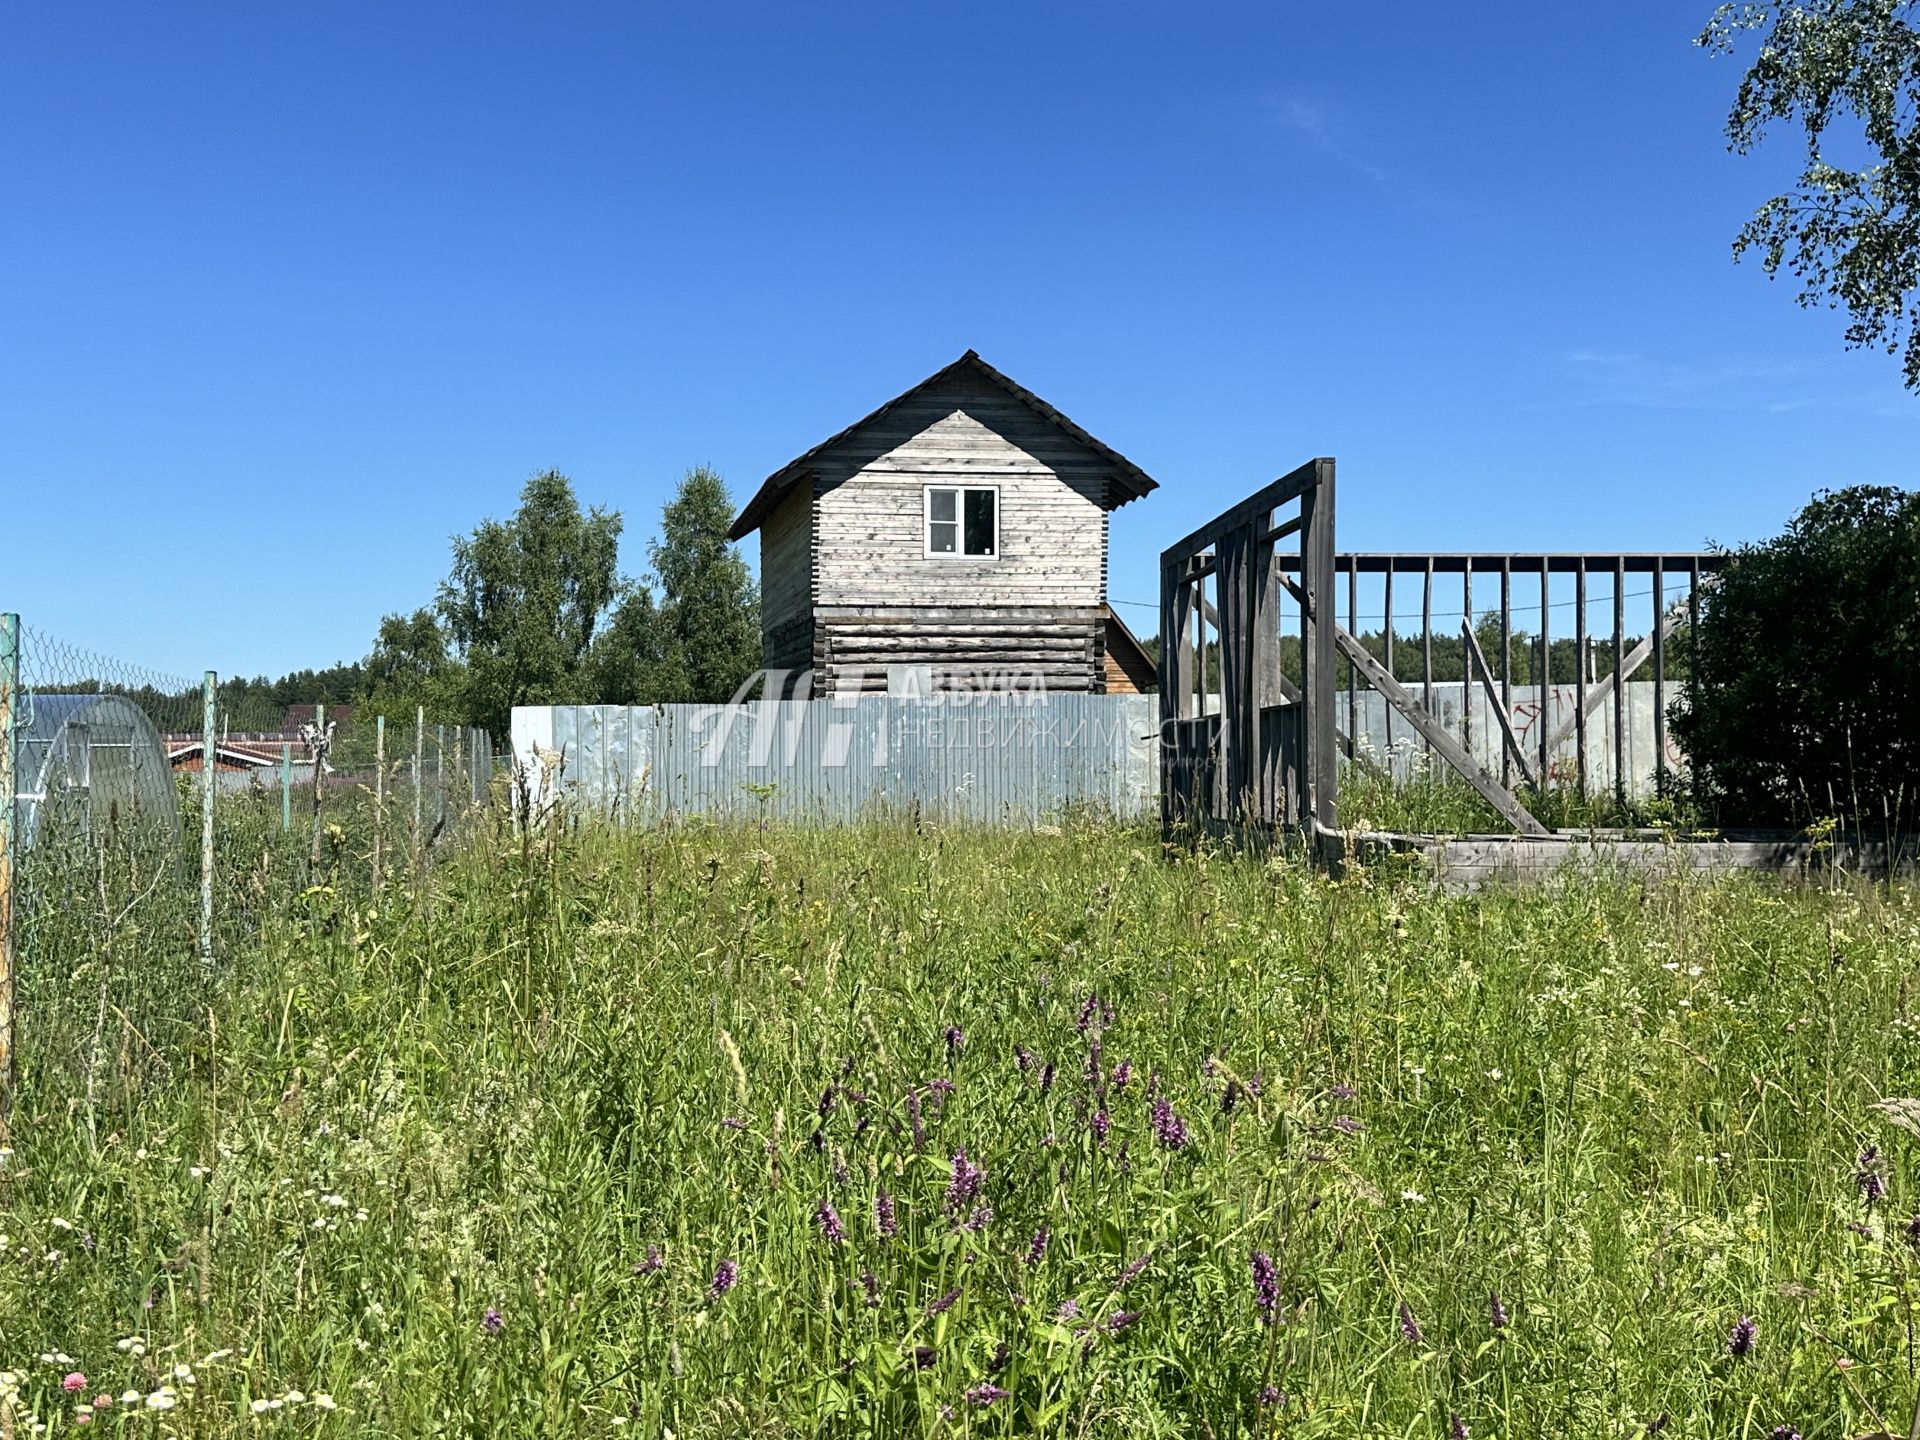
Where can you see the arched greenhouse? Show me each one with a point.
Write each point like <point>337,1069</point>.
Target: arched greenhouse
<point>92,765</point>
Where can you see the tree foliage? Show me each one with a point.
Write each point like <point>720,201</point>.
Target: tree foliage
<point>1805,696</point>
<point>1844,72</point>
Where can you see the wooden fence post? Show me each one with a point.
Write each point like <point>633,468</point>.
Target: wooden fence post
<point>419,752</point>
<point>379,793</point>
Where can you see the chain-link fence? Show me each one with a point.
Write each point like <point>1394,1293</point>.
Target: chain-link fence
<point>149,822</point>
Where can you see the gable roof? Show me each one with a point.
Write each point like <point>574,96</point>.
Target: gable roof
<point>1130,481</point>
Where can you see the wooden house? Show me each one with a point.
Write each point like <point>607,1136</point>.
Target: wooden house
<point>956,538</point>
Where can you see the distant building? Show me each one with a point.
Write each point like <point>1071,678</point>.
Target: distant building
<point>956,538</point>
<point>298,715</point>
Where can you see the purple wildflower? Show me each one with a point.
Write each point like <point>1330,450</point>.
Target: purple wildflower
<point>964,1186</point>
<point>946,1413</point>
<point>1123,1075</point>
<point>1270,1395</point>
<point>1127,1276</point>
<point>733,1122</point>
<point>1870,1176</point>
<point>985,1393</point>
<point>1095,1070</point>
<point>1347,1125</point>
<point>884,1218</point>
<point>1102,1126</point>
<point>1230,1097</point>
<point>1168,1128</point>
<point>1783,1432</point>
<point>945,1303</point>
<point>1089,1012</point>
<point>914,1118</point>
<point>828,1099</point>
<point>1342,1092</point>
<point>1659,1423</point>
<point>1069,1309</point>
<point>829,1219</point>
<point>1409,1327</point>
<point>1266,1286</point>
<point>939,1088</point>
<point>1457,1427</point>
<point>1497,1311</point>
<point>1002,1357</point>
<point>725,1276</point>
<point>1119,1320</point>
<point>923,1357</point>
<point>493,1322</point>
<point>1037,1247</point>
<point>1022,1058</point>
<point>1912,1232</point>
<point>1046,1077</point>
<point>870,1283</point>
<point>1740,1340</point>
<point>956,1039</point>
<point>654,1260</point>
<point>977,1220</point>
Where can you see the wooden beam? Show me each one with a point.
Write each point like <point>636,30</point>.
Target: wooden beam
<point>1259,504</point>
<point>1437,735</point>
<point>1479,662</point>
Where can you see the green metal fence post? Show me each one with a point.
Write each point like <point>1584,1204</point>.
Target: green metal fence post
<point>208,696</point>
<point>9,860</point>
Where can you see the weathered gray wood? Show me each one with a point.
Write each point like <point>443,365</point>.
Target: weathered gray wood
<point>1466,710</point>
<point>1545,717</point>
<point>1579,679</point>
<point>1506,658</point>
<point>1437,735</point>
<point>1387,646</point>
<point>1426,643</point>
<point>1499,706</point>
<point>1321,808</point>
<point>1257,506</point>
<point>1619,683</point>
<point>1353,627</point>
<point>1659,679</point>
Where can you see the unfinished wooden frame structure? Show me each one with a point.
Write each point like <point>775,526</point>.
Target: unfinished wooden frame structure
<point>1265,752</point>
<point>1673,583</point>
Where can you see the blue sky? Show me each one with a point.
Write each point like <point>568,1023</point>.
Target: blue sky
<point>291,294</point>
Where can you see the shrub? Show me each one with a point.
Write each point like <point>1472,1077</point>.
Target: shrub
<point>1805,692</point>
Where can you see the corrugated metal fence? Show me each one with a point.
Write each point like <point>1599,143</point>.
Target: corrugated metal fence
<point>985,758</point>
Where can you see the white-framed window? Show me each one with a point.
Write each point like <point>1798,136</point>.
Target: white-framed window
<point>963,521</point>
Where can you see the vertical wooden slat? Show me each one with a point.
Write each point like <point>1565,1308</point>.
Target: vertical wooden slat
<point>1353,675</point>
<point>1545,677</point>
<point>1317,583</point>
<point>1466,687</point>
<point>1659,676</point>
<point>1506,660</point>
<point>1580,645</point>
<point>1619,680</point>
<point>208,775</point>
<point>1426,646</point>
<point>1387,637</point>
<point>1176,687</point>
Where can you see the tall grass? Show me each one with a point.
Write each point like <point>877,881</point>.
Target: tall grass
<point>480,1158</point>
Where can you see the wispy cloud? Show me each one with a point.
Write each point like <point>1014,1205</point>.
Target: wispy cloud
<point>1719,383</point>
<point>1324,128</point>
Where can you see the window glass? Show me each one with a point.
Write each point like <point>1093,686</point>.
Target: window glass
<point>979,510</point>
<point>940,505</point>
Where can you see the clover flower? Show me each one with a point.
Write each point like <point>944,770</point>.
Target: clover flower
<point>73,1382</point>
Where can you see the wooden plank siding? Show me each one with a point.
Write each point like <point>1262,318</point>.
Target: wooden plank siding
<point>786,583</point>
<point>847,585</point>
